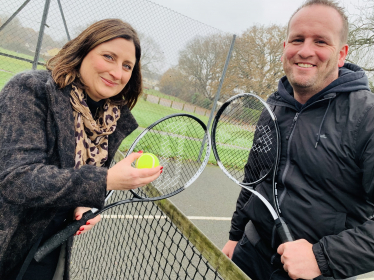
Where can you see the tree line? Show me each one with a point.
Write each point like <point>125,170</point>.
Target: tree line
<point>255,65</point>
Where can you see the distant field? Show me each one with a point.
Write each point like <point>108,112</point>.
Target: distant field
<point>146,113</point>
<point>162,95</point>
<point>11,66</point>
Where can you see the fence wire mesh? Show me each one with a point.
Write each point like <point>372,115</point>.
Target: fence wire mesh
<point>133,241</point>
<point>137,241</point>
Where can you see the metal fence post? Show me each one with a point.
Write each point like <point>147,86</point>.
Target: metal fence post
<point>14,14</point>
<point>63,19</point>
<point>221,81</point>
<point>218,90</point>
<point>41,34</point>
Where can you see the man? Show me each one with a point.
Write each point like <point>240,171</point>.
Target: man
<point>325,178</point>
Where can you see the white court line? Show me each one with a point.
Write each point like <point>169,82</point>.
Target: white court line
<point>209,218</point>
<point>164,217</point>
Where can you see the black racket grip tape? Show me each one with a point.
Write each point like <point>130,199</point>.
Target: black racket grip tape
<point>283,231</point>
<point>60,237</point>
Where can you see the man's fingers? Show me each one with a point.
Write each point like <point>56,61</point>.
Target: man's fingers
<point>280,249</point>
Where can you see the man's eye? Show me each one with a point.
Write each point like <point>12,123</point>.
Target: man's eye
<point>321,42</point>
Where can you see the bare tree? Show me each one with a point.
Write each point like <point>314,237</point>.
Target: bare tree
<point>256,63</point>
<point>202,61</point>
<point>361,39</point>
<point>174,83</point>
<point>153,57</point>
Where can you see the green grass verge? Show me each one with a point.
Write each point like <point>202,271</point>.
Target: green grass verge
<point>166,143</point>
<point>11,66</point>
<point>162,95</point>
<point>147,113</point>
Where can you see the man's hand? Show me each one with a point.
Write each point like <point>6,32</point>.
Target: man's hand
<point>298,259</point>
<point>229,247</point>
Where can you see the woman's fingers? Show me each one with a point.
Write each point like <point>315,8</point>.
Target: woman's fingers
<point>150,172</point>
<point>132,157</point>
<point>146,176</point>
<point>123,176</point>
<point>78,212</point>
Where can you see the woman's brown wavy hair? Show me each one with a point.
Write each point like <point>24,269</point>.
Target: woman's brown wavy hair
<point>66,64</point>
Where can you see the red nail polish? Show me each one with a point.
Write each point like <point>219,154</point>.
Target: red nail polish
<point>161,168</point>
<point>78,233</point>
<point>161,172</point>
<point>76,216</point>
<point>88,223</point>
<point>140,151</point>
<point>81,229</point>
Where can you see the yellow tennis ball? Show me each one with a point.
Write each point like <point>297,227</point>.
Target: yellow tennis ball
<point>147,160</point>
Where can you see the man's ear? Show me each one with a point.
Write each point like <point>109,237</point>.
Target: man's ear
<point>342,55</point>
<point>284,45</point>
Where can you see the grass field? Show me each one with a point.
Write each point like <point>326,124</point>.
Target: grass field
<point>162,95</point>
<point>147,113</point>
<point>169,144</point>
<point>11,66</point>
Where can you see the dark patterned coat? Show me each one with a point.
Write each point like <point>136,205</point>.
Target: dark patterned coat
<point>37,151</point>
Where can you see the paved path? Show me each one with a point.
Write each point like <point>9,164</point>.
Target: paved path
<point>210,202</point>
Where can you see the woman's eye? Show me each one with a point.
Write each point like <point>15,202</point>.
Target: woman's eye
<point>107,56</point>
<point>127,67</point>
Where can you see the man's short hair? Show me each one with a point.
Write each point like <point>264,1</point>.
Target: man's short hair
<point>336,7</point>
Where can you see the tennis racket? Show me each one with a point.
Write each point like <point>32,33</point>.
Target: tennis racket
<point>246,145</point>
<point>182,144</point>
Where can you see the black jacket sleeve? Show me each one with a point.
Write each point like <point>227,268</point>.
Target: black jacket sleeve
<point>239,218</point>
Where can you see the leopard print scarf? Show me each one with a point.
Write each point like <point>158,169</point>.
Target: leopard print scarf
<point>91,137</point>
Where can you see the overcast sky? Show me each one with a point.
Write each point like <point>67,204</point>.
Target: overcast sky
<point>235,16</point>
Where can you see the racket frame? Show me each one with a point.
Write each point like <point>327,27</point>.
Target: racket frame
<point>281,226</point>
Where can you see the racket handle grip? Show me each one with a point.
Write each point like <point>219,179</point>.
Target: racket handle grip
<point>60,237</point>
<point>283,230</point>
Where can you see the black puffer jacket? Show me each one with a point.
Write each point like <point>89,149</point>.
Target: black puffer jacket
<point>325,177</point>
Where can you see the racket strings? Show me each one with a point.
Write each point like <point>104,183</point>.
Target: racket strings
<point>245,139</point>
<point>179,144</point>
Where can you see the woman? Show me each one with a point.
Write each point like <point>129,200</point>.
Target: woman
<point>59,131</point>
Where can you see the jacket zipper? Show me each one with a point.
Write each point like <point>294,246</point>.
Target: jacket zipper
<point>289,138</point>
